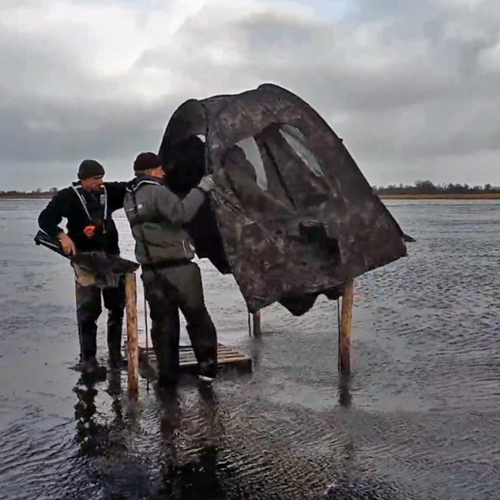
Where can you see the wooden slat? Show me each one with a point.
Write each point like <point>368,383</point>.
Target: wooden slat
<point>227,357</point>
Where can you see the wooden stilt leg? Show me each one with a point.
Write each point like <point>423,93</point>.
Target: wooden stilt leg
<point>132,334</point>
<point>257,330</point>
<point>345,328</point>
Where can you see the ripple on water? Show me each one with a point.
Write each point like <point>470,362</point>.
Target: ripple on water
<point>34,455</point>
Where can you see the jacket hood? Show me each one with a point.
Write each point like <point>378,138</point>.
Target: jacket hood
<point>142,179</point>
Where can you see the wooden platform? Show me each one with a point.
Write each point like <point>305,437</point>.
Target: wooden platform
<point>227,359</point>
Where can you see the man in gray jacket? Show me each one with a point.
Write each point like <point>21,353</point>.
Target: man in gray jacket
<point>171,280</point>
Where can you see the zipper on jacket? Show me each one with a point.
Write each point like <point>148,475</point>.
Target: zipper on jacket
<point>85,207</point>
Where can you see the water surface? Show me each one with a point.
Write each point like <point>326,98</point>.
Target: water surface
<point>422,412</point>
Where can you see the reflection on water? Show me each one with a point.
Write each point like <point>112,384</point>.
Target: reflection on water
<point>417,420</point>
<point>93,438</point>
<point>345,397</point>
<point>197,477</point>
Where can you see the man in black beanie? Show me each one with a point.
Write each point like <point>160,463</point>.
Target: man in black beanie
<point>172,282</point>
<point>88,206</point>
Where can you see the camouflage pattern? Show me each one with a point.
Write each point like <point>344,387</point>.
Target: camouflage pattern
<point>314,221</point>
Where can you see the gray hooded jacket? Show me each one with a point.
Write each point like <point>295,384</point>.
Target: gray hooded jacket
<point>156,216</point>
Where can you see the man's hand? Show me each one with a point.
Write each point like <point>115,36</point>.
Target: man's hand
<point>67,244</point>
<point>207,183</point>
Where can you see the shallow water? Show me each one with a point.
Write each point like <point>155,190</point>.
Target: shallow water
<point>421,414</point>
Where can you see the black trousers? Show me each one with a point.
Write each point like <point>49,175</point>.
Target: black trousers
<point>88,310</point>
<point>168,290</point>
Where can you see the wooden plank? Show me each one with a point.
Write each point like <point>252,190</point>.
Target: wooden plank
<point>227,358</point>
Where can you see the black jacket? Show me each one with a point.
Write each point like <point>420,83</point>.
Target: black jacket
<point>82,209</point>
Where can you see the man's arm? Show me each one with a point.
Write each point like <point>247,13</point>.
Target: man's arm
<point>174,209</point>
<point>116,194</point>
<point>52,215</point>
<point>50,218</point>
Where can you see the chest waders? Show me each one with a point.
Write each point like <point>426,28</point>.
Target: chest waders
<point>89,297</point>
<point>169,287</point>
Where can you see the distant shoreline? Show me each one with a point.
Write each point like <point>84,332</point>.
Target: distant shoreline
<point>442,196</point>
<point>406,196</point>
<point>24,196</point>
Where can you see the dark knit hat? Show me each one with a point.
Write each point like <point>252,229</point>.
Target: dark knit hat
<point>146,161</point>
<point>90,168</point>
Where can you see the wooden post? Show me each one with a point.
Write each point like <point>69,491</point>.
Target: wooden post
<point>254,327</point>
<point>345,328</point>
<point>257,331</point>
<point>132,334</point>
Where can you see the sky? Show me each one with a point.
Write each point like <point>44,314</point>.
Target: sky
<point>411,87</point>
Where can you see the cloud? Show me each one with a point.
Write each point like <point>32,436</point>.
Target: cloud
<point>412,87</point>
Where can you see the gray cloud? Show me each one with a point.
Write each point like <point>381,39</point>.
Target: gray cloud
<point>412,87</point>
<point>69,131</point>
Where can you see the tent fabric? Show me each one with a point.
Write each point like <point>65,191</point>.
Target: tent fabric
<point>292,215</point>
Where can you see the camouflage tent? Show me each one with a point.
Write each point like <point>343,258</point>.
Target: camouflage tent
<point>292,216</point>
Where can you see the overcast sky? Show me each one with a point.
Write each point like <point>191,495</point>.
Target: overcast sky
<point>413,87</point>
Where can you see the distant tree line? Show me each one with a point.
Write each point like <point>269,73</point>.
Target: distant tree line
<point>419,187</point>
<point>37,193</point>
<point>428,187</point>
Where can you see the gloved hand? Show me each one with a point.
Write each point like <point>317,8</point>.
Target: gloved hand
<point>207,183</point>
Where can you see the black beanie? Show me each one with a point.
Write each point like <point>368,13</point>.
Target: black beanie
<point>90,168</point>
<point>146,161</point>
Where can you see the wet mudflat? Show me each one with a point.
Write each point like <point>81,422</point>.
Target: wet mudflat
<point>421,414</point>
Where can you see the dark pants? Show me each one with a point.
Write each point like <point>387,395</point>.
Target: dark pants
<point>88,310</point>
<point>168,290</point>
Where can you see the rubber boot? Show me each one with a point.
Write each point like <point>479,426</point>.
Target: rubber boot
<point>115,325</point>
<point>91,368</point>
<point>203,337</point>
<point>167,358</point>
<point>88,310</point>
<point>165,337</point>
<point>88,347</point>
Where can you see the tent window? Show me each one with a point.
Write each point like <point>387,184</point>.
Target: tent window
<point>252,153</point>
<point>296,140</point>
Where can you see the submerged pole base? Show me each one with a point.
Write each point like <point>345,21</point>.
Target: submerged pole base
<point>254,325</point>
<point>345,328</point>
